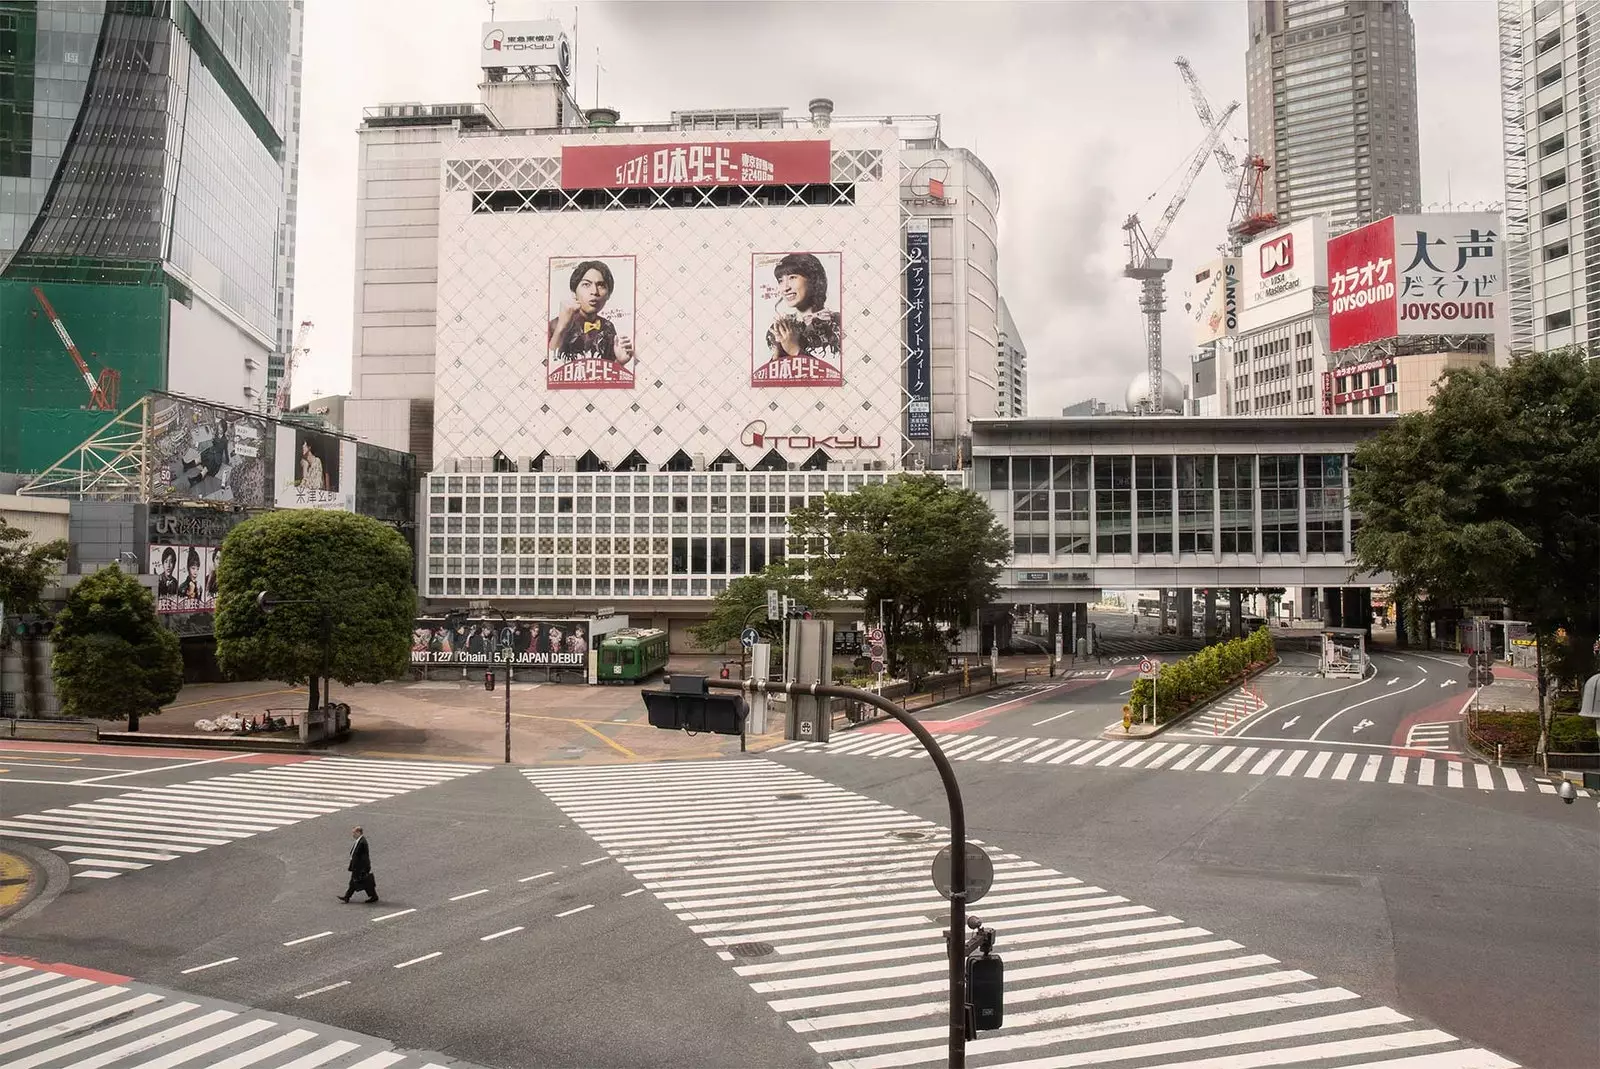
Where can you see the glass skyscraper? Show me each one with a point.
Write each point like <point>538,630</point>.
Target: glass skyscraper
<point>1332,96</point>
<point>147,152</point>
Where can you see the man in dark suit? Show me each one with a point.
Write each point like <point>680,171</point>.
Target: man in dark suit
<point>361,878</point>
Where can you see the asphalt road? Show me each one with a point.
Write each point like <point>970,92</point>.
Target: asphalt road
<point>734,911</point>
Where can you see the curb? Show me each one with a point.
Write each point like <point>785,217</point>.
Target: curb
<point>48,876</point>
<point>1199,707</point>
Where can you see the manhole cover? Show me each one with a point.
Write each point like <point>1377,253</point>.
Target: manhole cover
<point>791,796</point>
<point>911,835</point>
<point>752,950</point>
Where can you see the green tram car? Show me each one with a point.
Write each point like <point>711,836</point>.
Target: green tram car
<point>632,655</point>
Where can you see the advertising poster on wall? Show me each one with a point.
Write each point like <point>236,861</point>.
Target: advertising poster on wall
<point>919,423</point>
<point>590,337</point>
<point>1213,304</point>
<point>536,643</point>
<point>312,470</point>
<point>796,332</point>
<point>1280,272</point>
<point>201,452</point>
<point>1361,286</point>
<point>186,577</point>
<point>710,163</point>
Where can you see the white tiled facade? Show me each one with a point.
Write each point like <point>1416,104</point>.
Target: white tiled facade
<point>1275,370</point>
<point>1011,398</point>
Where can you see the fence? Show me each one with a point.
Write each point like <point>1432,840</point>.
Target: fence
<point>940,686</point>
<point>48,728</point>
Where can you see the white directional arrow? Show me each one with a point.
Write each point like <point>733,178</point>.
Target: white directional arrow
<point>1392,682</point>
<point>1447,682</point>
<point>1358,727</point>
<point>1291,722</point>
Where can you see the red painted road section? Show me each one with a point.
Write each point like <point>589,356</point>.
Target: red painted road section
<point>77,972</point>
<point>151,752</point>
<point>979,717</point>
<point>1445,709</point>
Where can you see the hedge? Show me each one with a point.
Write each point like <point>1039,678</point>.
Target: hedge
<point>1519,732</point>
<point>1182,683</point>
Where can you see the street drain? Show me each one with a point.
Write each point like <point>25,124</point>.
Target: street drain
<point>752,950</point>
<point>911,835</point>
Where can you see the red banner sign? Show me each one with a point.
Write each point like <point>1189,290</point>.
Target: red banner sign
<point>705,163</point>
<point>1361,286</point>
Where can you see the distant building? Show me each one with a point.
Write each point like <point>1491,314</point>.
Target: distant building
<point>1091,407</point>
<point>1332,101</point>
<point>1011,396</point>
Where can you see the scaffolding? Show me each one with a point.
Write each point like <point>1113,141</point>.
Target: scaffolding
<point>113,464</point>
<point>1513,83</point>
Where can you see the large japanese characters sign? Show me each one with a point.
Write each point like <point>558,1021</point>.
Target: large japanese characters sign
<point>1411,275</point>
<point>918,372</point>
<point>712,163</point>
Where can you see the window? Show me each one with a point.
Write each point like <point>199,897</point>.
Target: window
<point>1196,491</point>
<point>1557,320</point>
<point>1280,503</point>
<point>1113,491</point>
<point>1552,145</point>
<point>1153,477</point>
<point>1554,215</point>
<point>1071,481</point>
<point>1555,251</point>
<point>1236,497</point>
<point>1549,41</point>
<point>1548,77</point>
<point>1551,181</point>
<point>1550,110</point>
<point>1324,489</point>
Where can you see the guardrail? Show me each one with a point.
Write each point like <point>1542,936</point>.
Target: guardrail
<point>48,729</point>
<point>941,687</point>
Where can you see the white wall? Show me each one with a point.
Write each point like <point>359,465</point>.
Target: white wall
<point>210,358</point>
<point>381,421</point>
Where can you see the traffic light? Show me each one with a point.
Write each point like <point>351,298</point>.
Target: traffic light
<point>986,991</point>
<point>488,681</point>
<point>689,705</point>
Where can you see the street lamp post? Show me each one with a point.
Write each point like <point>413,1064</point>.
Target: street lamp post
<point>494,654</point>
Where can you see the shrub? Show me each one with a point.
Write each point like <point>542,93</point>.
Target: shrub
<point>1183,682</point>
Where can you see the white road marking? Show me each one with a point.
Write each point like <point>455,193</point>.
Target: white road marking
<point>320,990</point>
<point>536,876</point>
<point>1392,682</point>
<point>635,891</point>
<point>469,894</point>
<point>1289,723</point>
<point>416,961</point>
<point>391,916</point>
<point>497,935</point>
<point>1058,716</point>
<point>1357,705</point>
<point>207,965</point>
<point>570,912</point>
<point>306,939</point>
<point>597,860</point>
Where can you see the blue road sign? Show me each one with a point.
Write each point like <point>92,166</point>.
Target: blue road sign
<point>748,637</point>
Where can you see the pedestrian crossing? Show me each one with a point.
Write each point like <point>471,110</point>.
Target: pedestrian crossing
<point>1289,762</point>
<point>821,900</point>
<point>53,1020</point>
<point>1429,736</point>
<point>1225,713</point>
<point>108,837</point>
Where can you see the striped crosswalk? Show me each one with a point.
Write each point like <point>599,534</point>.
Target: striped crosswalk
<point>820,900</point>
<point>55,1020</point>
<point>1429,736</point>
<point>1242,757</point>
<point>108,837</point>
<point>1225,713</point>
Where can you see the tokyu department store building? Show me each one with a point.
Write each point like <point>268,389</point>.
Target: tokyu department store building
<point>651,343</point>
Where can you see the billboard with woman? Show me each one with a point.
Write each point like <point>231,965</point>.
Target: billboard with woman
<point>796,334</point>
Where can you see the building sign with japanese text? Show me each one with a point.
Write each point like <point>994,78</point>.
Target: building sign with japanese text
<point>711,163</point>
<point>1280,272</point>
<point>1411,275</point>
<point>919,423</point>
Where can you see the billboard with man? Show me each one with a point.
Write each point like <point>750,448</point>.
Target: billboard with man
<point>589,340</point>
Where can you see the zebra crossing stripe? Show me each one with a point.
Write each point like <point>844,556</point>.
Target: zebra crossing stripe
<point>1092,978</point>
<point>120,834</point>
<point>1226,758</point>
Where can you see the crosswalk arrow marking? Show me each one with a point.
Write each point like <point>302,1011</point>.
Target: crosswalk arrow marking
<point>1392,682</point>
<point>1291,722</point>
<point>1358,727</point>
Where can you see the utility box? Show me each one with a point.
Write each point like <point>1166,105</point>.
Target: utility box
<point>808,659</point>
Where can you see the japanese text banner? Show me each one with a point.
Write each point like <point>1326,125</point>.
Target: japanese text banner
<point>710,163</point>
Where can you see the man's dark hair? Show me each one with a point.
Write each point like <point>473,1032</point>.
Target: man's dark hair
<point>169,556</point>
<point>809,268</point>
<point>592,265</point>
<point>193,560</point>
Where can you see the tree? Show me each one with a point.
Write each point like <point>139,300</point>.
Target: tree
<point>1494,493</point>
<point>928,553</point>
<point>26,568</point>
<point>113,658</point>
<point>743,603</point>
<point>347,573</point>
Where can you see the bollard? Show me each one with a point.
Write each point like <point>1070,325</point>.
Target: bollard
<point>1499,752</point>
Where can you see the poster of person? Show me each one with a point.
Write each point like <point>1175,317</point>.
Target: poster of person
<point>185,578</point>
<point>207,453</point>
<point>589,340</point>
<point>535,643</point>
<point>310,473</point>
<point>795,330</point>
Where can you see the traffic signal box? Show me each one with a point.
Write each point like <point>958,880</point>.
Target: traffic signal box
<point>986,975</point>
<point>1479,674</point>
<point>689,705</point>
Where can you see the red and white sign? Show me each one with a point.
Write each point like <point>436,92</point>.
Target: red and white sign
<point>1414,275</point>
<point>709,163</point>
<point>1280,273</point>
<point>1277,255</point>
<point>1361,286</point>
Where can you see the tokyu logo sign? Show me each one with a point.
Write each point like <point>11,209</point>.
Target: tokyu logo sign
<point>755,434</point>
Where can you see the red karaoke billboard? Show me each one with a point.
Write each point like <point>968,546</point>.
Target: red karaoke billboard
<point>1361,286</point>
<point>708,163</point>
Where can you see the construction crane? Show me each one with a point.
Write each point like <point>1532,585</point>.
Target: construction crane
<point>1248,178</point>
<point>102,392</point>
<point>280,401</point>
<point>1150,270</point>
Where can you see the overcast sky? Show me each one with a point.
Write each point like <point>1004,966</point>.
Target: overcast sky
<point>1076,108</point>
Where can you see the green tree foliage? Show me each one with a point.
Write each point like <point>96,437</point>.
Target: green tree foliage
<point>354,567</point>
<point>929,552</point>
<point>1180,684</point>
<point>744,603</point>
<point>113,659</point>
<point>26,568</point>
<point>1494,493</point>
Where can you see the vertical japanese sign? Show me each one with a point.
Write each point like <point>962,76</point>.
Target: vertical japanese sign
<point>1452,265</point>
<point>918,370</point>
